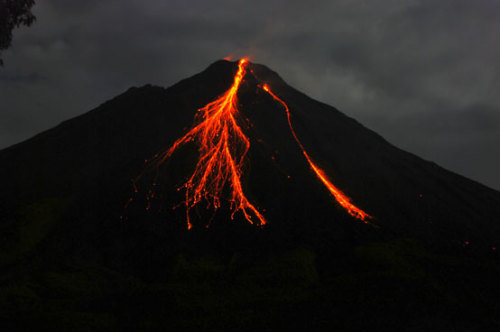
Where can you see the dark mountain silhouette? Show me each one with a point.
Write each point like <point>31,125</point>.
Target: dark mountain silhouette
<point>91,159</point>
<point>64,190</point>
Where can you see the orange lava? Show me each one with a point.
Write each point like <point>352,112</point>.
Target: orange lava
<point>222,147</point>
<point>340,197</point>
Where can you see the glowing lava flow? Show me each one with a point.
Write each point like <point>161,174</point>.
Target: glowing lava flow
<point>222,147</point>
<point>340,197</point>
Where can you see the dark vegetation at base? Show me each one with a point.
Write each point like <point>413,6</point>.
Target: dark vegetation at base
<point>246,285</point>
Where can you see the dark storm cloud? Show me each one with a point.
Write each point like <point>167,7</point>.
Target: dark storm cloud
<point>424,74</point>
<point>27,78</point>
<point>466,138</point>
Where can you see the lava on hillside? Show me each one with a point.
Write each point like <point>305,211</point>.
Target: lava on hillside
<point>339,196</point>
<point>222,147</point>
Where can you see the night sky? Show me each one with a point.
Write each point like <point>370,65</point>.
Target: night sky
<point>423,74</point>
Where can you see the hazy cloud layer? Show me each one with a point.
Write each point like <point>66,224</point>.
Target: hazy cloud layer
<point>424,74</point>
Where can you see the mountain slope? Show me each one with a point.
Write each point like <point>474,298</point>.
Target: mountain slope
<point>88,163</point>
<point>74,258</point>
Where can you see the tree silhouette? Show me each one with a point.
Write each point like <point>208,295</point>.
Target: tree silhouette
<point>13,13</point>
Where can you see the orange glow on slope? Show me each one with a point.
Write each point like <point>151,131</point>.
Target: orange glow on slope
<point>340,197</point>
<point>222,147</point>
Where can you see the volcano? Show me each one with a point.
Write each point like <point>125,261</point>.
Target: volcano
<point>229,160</point>
<point>223,147</point>
<point>90,161</point>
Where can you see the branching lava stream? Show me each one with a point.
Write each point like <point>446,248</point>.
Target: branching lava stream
<point>222,147</point>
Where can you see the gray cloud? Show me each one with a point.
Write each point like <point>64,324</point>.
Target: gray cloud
<point>422,73</point>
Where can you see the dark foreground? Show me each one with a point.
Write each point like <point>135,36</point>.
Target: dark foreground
<point>395,285</point>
